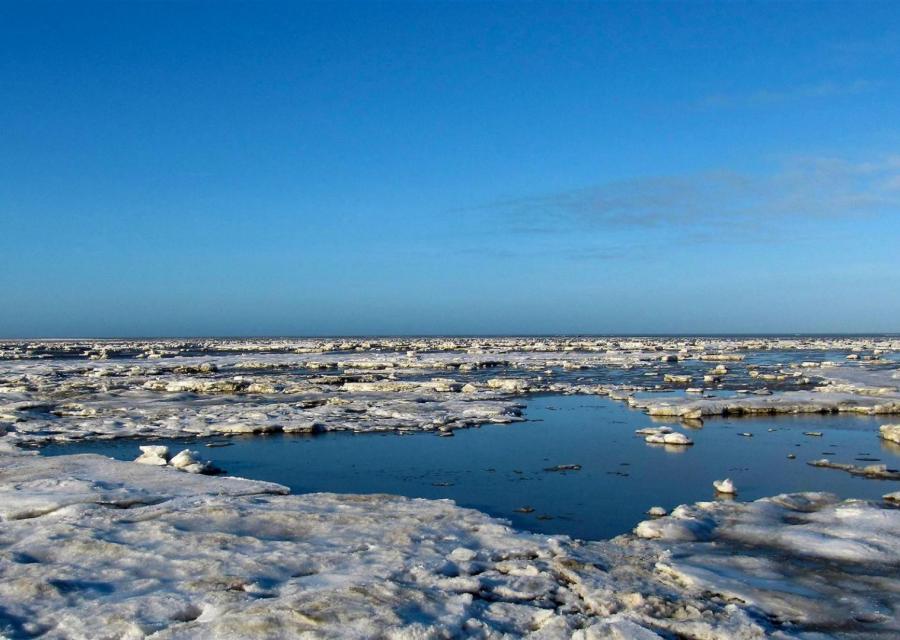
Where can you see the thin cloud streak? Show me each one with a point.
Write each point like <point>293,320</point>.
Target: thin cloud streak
<point>806,189</point>
<point>768,96</point>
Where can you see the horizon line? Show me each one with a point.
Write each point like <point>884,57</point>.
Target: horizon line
<point>738,334</point>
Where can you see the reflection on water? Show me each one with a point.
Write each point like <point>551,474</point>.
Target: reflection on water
<point>502,470</point>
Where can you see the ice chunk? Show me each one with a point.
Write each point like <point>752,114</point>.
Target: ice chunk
<point>652,431</point>
<point>674,438</point>
<point>461,554</point>
<point>890,432</point>
<point>724,486</point>
<point>153,454</point>
<point>190,462</point>
<point>184,459</point>
<point>512,385</point>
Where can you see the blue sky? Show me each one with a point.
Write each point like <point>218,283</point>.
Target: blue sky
<point>362,168</point>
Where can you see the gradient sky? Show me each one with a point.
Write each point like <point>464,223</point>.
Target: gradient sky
<point>361,168</point>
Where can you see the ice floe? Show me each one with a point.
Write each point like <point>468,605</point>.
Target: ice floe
<point>674,438</point>
<point>664,435</point>
<point>876,471</point>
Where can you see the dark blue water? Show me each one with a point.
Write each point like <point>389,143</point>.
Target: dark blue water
<point>499,469</point>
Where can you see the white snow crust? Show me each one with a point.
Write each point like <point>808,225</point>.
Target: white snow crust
<point>71,390</point>
<point>96,548</point>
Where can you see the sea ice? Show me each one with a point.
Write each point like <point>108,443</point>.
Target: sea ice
<point>725,486</point>
<point>664,435</point>
<point>876,471</point>
<point>184,556</point>
<point>674,438</point>
<point>153,454</point>
<point>91,547</point>
<point>890,432</point>
<point>71,390</point>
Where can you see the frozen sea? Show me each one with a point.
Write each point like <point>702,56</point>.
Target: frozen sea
<point>537,431</point>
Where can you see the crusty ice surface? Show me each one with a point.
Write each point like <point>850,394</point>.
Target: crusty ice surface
<point>96,548</point>
<point>70,390</point>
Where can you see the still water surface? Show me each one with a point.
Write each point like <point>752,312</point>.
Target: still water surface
<point>501,468</point>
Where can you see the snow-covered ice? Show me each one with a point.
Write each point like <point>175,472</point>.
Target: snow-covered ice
<point>674,438</point>
<point>70,390</point>
<point>157,455</point>
<point>91,547</point>
<point>664,435</point>
<point>877,471</point>
<point>725,486</point>
<point>890,432</point>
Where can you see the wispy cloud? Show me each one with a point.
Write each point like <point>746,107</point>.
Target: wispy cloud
<point>874,48</point>
<point>696,207</point>
<point>775,96</point>
<point>590,252</point>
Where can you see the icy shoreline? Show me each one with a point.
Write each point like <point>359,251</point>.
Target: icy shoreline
<point>91,547</point>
